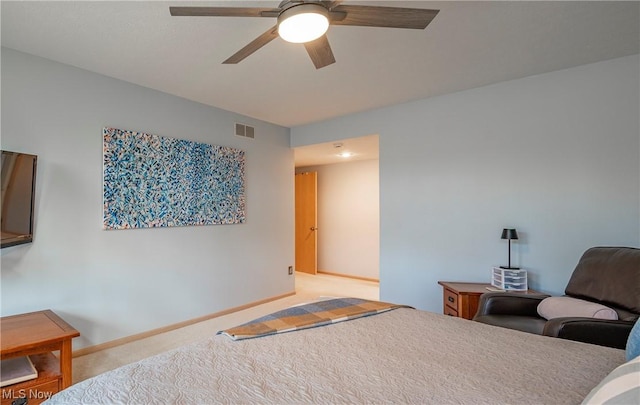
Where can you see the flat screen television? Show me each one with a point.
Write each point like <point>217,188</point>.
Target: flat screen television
<point>18,194</point>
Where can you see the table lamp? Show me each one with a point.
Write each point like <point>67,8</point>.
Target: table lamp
<point>509,234</point>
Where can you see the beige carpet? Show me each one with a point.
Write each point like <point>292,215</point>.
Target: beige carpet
<point>308,288</point>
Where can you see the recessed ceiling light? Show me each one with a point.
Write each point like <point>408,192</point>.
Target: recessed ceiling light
<point>345,154</point>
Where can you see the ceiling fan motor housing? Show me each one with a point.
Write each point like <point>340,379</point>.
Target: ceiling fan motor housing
<point>285,4</point>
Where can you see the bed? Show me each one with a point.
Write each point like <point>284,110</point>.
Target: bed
<point>399,355</point>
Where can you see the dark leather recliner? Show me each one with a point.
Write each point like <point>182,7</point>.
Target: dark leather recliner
<point>606,275</point>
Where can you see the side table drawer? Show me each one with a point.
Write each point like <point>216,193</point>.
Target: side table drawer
<point>450,311</point>
<point>34,394</point>
<point>450,299</point>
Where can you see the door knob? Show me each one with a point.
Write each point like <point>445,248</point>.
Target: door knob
<point>313,228</point>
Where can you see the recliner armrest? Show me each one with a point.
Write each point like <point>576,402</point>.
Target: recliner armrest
<point>603,332</point>
<point>509,303</point>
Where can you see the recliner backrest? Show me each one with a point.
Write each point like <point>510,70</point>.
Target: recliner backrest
<point>609,275</point>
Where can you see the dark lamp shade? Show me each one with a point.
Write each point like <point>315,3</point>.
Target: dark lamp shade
<point>510,234</point>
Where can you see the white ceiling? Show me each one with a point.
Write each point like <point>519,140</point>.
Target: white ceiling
<point>468,44</point>
<point>360,148</point>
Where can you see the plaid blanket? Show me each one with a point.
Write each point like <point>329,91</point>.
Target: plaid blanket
<point>309,316</point>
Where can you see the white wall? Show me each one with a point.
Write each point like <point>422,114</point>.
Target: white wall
<point>556,156</point>
<point>111,284</point>
<point>348,218</point>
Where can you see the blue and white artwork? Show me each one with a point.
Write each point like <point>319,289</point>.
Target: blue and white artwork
<point>152,181</point>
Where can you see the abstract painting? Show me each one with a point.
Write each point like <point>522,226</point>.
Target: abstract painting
<point>153,181</point>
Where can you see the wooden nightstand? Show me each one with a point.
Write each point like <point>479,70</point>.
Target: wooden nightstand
<point>461,299</point>
<point>36,335</point>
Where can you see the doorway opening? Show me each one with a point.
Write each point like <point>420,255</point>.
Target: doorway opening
<point>346,231</point>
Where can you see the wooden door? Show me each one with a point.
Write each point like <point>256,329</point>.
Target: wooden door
<point>306,222</point>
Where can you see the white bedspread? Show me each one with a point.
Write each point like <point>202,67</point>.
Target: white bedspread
<point>402,356</point>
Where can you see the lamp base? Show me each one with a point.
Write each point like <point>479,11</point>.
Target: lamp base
<point>510,268</point>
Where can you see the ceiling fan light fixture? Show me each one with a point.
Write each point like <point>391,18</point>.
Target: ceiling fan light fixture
<point>303,23</point>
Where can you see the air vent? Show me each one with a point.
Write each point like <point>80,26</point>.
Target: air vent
<point>245,131</point>
<point>240,129</point>
<point>249,132</point>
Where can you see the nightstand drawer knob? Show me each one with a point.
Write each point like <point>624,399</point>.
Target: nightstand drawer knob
<point>450,299</point>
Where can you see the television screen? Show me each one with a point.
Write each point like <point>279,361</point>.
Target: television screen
<point>18,191</point>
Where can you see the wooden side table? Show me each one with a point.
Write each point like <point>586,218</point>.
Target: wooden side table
<point>36,335</point>
<point>461,299</point>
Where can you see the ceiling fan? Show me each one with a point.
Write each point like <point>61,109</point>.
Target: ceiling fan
<point>304,21</point>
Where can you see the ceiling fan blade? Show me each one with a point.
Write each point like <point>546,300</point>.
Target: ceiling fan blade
<point>391,17</point>
<point>254,45</point>
<point>320,52</point>
<point>223,11</point>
